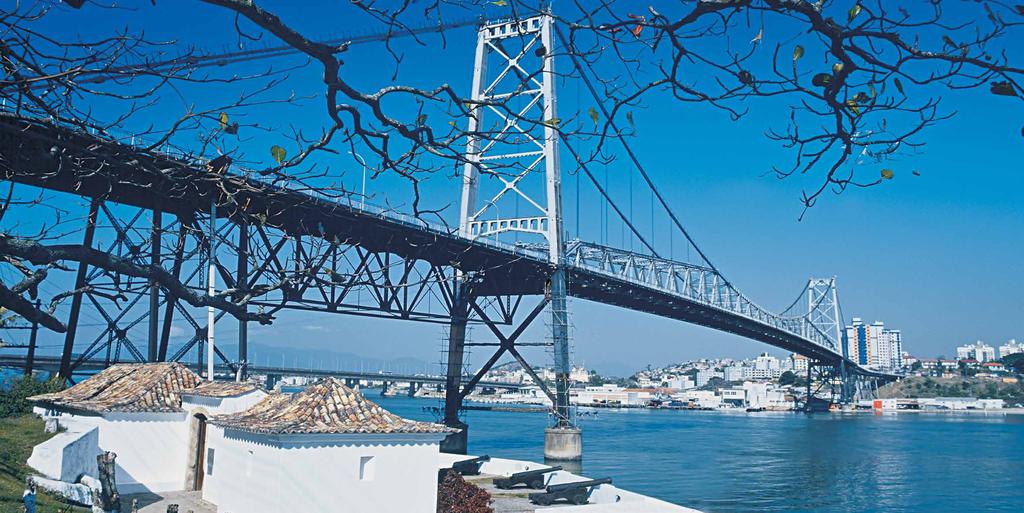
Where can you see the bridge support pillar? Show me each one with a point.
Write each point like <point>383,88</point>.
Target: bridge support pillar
<point>154,290</point>
<point>456,443</point>
<point>563,441</point>
<point>242,284</point>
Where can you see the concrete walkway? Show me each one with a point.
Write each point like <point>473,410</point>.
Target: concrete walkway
<point>158,502</point>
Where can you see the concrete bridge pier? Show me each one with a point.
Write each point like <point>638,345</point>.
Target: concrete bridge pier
<point>564,440</point>
<point>351,382</point>
<point>458,442</point>
<point>384,388</point>
<point>272,380</point>
<point>414,387</point>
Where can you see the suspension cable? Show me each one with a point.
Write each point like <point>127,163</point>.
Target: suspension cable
<point>632,155</point>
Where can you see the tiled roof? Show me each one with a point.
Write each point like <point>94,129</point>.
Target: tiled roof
<point>327,406</point>
<point>222,388</point>
<point>142,387</point>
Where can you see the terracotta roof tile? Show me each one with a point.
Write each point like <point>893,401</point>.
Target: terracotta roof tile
<point>327,406</point>
<point>222,388</point>
<point>142,387</point>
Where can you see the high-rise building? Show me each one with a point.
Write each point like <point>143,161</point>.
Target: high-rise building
<point>1010,347</point>
<point>978,351</point>
<point>873,345</point>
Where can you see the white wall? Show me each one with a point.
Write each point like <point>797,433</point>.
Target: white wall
<point>151,448</point>
<point>260,473</point>
<point>222,405</point>
<point>68,455</point>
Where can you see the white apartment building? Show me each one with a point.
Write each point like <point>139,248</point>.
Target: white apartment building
<point>1010,347</point>
<point>978,351</point>
<point>765,366</point>
<point>733,373</point>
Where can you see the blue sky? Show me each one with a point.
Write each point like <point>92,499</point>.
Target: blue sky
<point>937,255</point>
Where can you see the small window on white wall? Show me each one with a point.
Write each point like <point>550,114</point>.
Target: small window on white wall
<point>209,461</point>
<point>366,468</point>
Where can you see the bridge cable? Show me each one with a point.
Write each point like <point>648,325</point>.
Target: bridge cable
<point>632,156</point>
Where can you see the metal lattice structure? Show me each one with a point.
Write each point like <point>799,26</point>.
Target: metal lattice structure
<point>334,255</point>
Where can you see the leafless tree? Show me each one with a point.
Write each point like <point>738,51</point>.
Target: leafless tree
<point>862,81</point>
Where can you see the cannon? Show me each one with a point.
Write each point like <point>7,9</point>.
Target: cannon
<point>577,492</point>
<point>531,478</point>
<point>470,467</point>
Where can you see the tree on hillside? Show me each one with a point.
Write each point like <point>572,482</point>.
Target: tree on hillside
<point>787,378</point>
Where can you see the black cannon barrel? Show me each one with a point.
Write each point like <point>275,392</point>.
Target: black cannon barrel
<point>579,484</point>
<point>536,471</point>
<point>470,467</point>
<point>478,459</point>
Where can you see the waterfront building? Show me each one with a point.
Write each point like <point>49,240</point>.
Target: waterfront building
<point>702,377</point>
<point>135,411</point>
<point>1010,347</point>
<point>257,458</point>
<point>979,351</point>
<point>873,345</point>
<point>238,444</point>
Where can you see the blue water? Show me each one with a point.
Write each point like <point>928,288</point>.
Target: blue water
<point>781,462</point>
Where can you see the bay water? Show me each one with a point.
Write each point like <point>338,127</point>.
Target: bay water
<point>779,462</point>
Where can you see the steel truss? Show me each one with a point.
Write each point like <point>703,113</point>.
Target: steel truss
<point>832,384</point>
<point>129,319</point>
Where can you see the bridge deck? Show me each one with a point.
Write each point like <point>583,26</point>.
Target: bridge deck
<point>40,155</point>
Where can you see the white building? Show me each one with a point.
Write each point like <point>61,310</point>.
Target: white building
<point>679,382</point>
<point>275,456</point>
<point>133,411</point>
<point>246,450</point>
<point>733,373</point>
<point>978,351</point>
<point>1010,347</point>
<point>614,395</point>
<point>765,366</point>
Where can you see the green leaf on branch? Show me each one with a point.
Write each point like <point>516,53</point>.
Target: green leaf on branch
<point>278,153</point>
<point>223,120</point>
<point>887,174</point>
<point>853,12</point>
<point>553,122</point>
<point>798,52</point>
<point>899,85</point>
<point>594,116</point>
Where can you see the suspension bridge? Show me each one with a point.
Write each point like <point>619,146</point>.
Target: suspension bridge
<point>340,255</point>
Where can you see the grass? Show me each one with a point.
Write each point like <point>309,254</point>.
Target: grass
<point>18,435</point>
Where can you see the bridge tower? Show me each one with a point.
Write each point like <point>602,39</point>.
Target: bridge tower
<point>823,315</point>
<point>511,187</point>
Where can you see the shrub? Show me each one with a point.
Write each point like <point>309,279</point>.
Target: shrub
<point>14,393</point>
<point>456,495</point>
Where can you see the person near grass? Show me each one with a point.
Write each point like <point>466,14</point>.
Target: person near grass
<point>29,498</point>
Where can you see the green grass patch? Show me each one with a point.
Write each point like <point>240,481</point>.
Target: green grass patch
<point>18,435</point>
